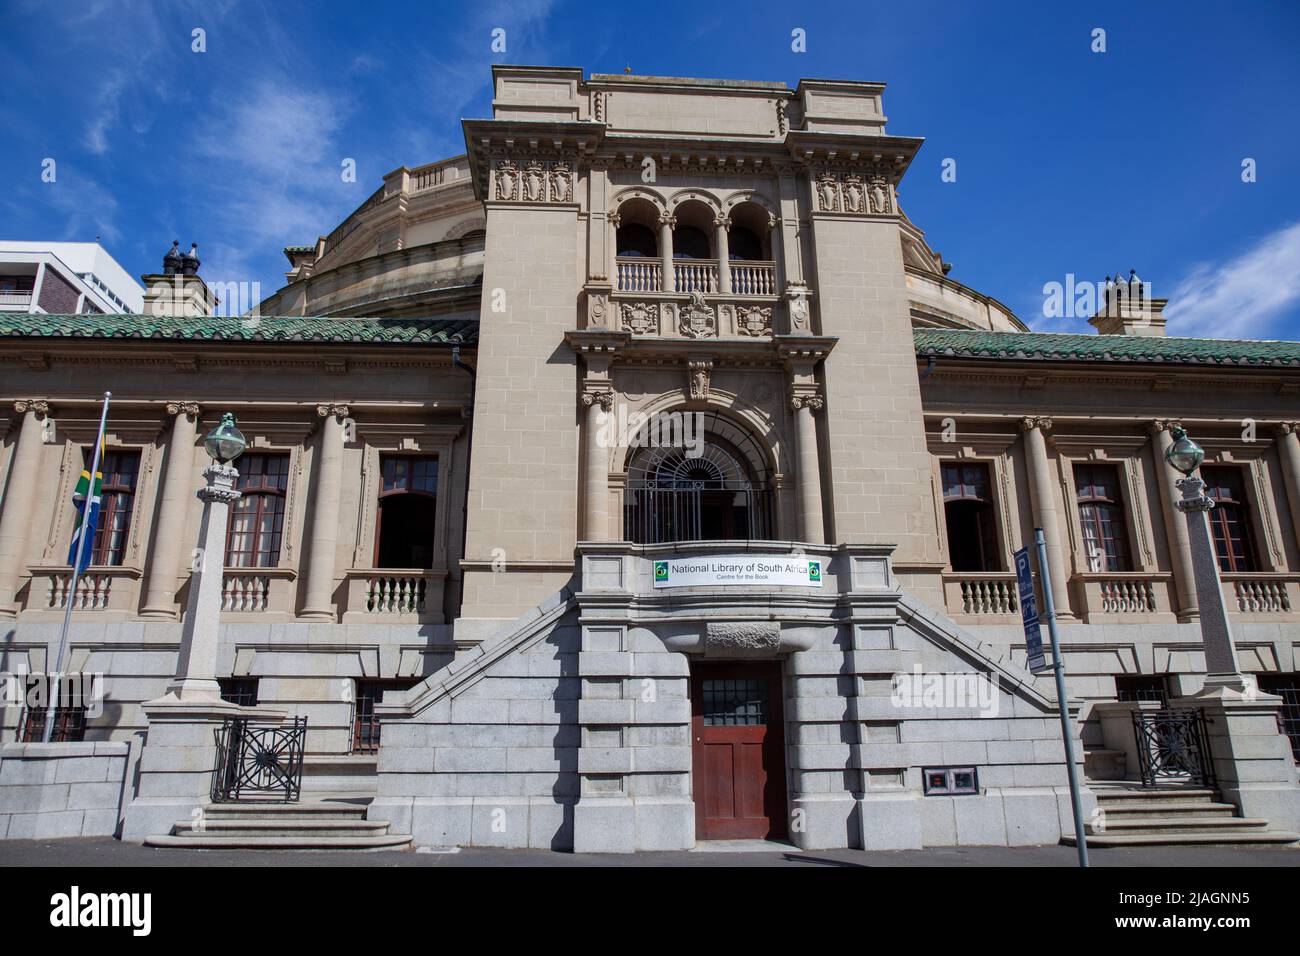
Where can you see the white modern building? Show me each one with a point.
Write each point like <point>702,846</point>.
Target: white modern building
<point>64,277</point>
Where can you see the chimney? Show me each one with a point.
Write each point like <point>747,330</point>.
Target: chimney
<point>178,290</point>
<point>1127,308</point>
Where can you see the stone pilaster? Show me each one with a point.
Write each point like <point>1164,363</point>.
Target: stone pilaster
<point>1180,549</point>
<point>1288,446</point>
<point>165,564</point>
<point>20,495</point>
<point>599,401</point>
<point>319,604</point>
<point>811,523</point>
<point>1043,503</point>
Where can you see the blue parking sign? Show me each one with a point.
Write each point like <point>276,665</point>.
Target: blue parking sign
<point>1029,611</point>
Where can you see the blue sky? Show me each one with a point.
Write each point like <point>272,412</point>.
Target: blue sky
<point>1068,161</point>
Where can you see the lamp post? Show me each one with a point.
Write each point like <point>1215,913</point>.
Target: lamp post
<point>196,665</point>
<point>1221,667</point>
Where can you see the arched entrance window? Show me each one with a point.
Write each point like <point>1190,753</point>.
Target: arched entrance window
<point>407,508</point>
<point>713,487</point>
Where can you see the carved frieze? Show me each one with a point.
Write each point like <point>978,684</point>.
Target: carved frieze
<point>848,191</point>
<point>533,181</point>
<point>639,318</point>
<point>754,320</point>
<point>699,320</point>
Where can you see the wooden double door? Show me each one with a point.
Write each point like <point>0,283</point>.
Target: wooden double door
<point>738,745</point>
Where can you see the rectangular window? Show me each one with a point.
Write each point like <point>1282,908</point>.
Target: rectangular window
<point>1101,516</point>
<point>969,517</point>
<point>1230,518</point>
<point>117,500</point>
<point>365,723</point>
<point>950,781</point>
<point>1138,687</point>
<point>257,521</point>
<point>407,511</point>
<point>239,690</point>
<point>69,719</point>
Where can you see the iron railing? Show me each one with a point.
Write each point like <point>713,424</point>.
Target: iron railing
<point>662,511</point>
<point>259,763</point>
<point>1173,746</point>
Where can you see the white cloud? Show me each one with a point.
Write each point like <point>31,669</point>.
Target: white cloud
<point>1243,297</point>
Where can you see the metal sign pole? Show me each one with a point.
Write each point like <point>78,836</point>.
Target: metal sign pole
<point>1058,666</point>
<point>52,705</point>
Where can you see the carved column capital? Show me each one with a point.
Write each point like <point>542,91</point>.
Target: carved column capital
<point>1029,423</point>
<point>24,405</point>
<point>722,222</point>
<point>338,411</point>
<point>668,219</point>
<point>1289,428</point>
<point>809,399</point>
<point>1165,424</point>
<point>190,410</point>
<point>595,395</point>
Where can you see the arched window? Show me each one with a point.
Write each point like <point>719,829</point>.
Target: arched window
<point>743,244</point>
<point>634,239</point>
<point>710,486</point>
<point>408,502</point>
<point>969,517</point>
<point>690,242</point>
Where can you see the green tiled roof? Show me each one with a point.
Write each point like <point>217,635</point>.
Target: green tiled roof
<point>267,328</point>
<point>1062,347</point>
<point>311,248</point>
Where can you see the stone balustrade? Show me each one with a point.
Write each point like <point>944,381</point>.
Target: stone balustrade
<point>1122,596</point>
<point>1267,594</point>
<point>98,589</point>
<point>395,594</point>
<point>258,591</point>
<point>981,593</point>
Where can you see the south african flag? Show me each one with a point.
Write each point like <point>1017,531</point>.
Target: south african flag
<point>83,533</point>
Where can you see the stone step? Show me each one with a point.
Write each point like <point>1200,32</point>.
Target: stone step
<point>1275,837</point>
<point>1175,824</point>
<point>1160,807</point>
<point>306,841</point>
<point>331,810</point>
<point>1108,795</point>
<point>283,826</point>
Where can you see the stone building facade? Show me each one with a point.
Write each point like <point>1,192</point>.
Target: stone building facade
<point>448,554</point>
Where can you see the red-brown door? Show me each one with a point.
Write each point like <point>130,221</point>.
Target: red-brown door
<point>739,751</point>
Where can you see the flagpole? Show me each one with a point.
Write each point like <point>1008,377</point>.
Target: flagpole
<point>53,703</point>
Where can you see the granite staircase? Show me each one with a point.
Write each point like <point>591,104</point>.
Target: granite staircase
<point>1131,815</point>
<point>316,825</point>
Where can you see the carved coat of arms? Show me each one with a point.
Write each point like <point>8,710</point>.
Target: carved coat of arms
<point>698,319</point>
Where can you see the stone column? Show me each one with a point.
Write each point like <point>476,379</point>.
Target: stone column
<point>811,523</point>
<point>599,402</point>
<point>196,664</point>
<point>1044,509</point>
<point>666,224</point>
<point>723,225</point>
<point>1180,549</point>
<point>1221,666</point>
<point>160,598</point>
<point>325,524</point>
<point>1288,448</point>
<point>20,495</point>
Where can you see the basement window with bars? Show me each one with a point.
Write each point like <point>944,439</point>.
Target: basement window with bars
<point>239,690</point>
<point>365,722</point>
<point>69,721</point>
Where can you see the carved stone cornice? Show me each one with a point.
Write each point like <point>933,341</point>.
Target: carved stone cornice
<point>39,406</point>
<point>1029,423</point>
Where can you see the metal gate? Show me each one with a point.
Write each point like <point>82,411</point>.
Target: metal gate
<point>261,763</point>
<point>1172,746</point>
